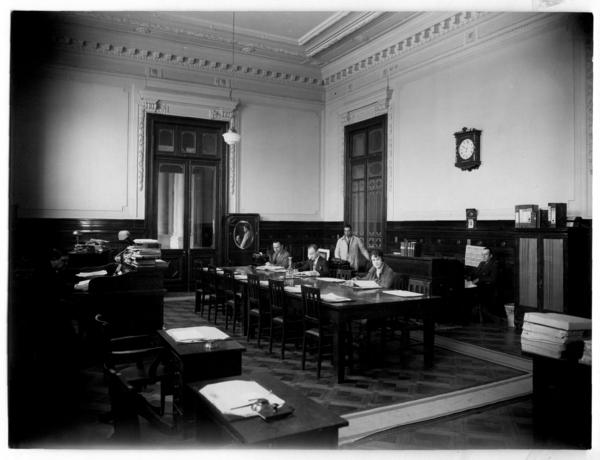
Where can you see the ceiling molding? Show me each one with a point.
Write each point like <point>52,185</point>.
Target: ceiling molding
<point>335,32</point>
<point>418,39</point>
<point>156,57</point>
<point>322,27</point>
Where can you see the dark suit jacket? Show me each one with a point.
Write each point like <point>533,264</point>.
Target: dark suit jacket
<point>322,266</point>
<point>487,273</point>
<point>280,259</point>
<point>386,279</point>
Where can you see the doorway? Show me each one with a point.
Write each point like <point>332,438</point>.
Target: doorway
<point>186,194</point>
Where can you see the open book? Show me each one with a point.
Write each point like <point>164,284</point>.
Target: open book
<point>236,397</point>
<point>365,284</point>
<point>196,334</point>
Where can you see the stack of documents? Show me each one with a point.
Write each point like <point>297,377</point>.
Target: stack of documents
<point>241,277</point>
<point>196,334</point>
<point>82,286</point>
<point>92,274</point>
<point>365,284</point>
<point>235,397</point>
<point>334,298</point>
<point>272,268</point>
<point>548,334</point>
<point>144,253</point>
<point>293,289</point>
<point>587,353</point>
<point>331,280</point>
<point>401,293</point>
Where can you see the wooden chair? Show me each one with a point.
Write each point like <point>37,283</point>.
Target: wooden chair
<point>216,296</point>
<point>315,327</point>
<point>127,404</point>
<point>233,299</point>
<point>407,324</point>
<point>137,358</point>
<point>257,310</point>
<point>281,316</point>
<point>202,292</point>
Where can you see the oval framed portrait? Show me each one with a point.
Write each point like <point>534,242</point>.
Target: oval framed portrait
<point>243,234</point>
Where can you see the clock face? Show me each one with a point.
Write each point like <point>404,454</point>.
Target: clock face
<point>466,149</point>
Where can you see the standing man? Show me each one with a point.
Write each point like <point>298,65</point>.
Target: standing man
<point>349,246</point>
<point>486,277</point>
<point>279,256</point>
<point>315,262</point>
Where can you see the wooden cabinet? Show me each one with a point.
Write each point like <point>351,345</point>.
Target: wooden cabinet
<point>553,271</point>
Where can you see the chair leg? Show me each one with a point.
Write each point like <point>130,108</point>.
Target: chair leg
<point>235,315</point>
<point>304,352</point>
<point>259,327</point>
<point>283,340</point>
<point>226,307</point>
<point>249,328</point>
<point>319,358</point>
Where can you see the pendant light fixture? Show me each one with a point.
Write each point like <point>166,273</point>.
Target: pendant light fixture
<point>232,137</point>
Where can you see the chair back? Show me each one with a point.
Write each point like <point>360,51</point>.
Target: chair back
<point>229,281</point>
<point>253,291</point>
<point>420,286</point>
<point>311,301</point>
<point>211,279</point>
<point>277,297</point>
<point>343,274</point>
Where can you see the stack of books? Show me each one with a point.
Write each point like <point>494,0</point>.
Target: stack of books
<point>549,334</point>
<point>143,254</point>
<point>587,353</point>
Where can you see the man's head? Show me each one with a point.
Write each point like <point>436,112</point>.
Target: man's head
<point>277,247</point>
<point>486,254</point>
<point>347,230</point>
<point>124,235</point>
<point>377,258</point>
<point>313,252</point>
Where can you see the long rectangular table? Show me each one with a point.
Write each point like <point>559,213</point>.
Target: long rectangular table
<point>364,304</point>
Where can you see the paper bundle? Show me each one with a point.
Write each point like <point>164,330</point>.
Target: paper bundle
<point>548,334</point>
<point>235,397</point>
<point>196,334</point>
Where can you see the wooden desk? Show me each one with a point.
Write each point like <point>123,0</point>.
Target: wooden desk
<point>310,426</point>
<point>369,304</point>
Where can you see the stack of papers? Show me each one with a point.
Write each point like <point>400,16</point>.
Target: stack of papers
<point>469,284</point>
<point>82,286</point>
<point>272,268</point>
<point>264,283</point>
<point>293,289</point>
<point>235,397</point>
<point>401,293</point>
<point>92,274</point>
<point>331,280</point>
<point>241,277</point>
<point>365,284</point>
<point>548,334</point>
<point>334,298</point>
<point>587,353</point>
<point>196,334</point>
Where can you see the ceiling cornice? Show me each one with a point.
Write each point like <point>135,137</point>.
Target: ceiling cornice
<point>157,57</point>
<point>422,37</point>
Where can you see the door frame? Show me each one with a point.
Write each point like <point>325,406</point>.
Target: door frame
<point>381,120</point>
<point>151,194</point>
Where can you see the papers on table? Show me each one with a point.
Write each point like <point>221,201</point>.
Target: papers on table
<point>401,293</point>
<point>271,268</point>
<point>92,274</point>
<point>331,280</point>
<point>334,298</point>
<point>470,284</point>
<point>365,284</point>
<point>241,277</point>
<point>307,274</point>
<point>473,255</point>
<point>235,397</point>
<point>549,334</point>
<point>82,286</point>
<point>196,334</point>
<point>293,289</point>
<point>264,283</point>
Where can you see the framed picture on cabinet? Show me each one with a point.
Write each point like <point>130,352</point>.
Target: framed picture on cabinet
<point>242,238</point>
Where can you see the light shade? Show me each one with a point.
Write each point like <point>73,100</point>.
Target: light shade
<point>231,137</point>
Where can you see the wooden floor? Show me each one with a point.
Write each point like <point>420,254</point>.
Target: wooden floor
<point>399,378</point>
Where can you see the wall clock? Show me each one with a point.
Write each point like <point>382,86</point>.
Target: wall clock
<point>468,149</point>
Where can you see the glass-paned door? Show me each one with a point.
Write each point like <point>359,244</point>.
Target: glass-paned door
<point>365,204</point>
<point>187,201</point>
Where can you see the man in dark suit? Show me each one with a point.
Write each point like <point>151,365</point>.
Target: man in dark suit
<point>485,277</point>
<point>315,262</point>
<point>279,256</point>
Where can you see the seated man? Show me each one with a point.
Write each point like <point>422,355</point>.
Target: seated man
<point>315,262</point>
<point>485,278</point>
<point>279,256</point>
<point>380,272</point>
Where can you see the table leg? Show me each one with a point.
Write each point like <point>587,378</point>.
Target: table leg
<point>339,350</point>
<point>428,339</point>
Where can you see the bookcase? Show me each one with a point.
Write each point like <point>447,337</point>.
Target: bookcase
<point>553,271</point>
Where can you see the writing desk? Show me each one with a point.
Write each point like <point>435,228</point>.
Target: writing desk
<point>369,304</point>
<point>309,426</point>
